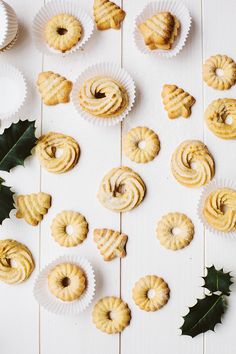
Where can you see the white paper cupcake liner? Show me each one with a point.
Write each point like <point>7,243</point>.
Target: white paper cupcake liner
<point>14,90</point>
<point>104,69</point>
<point>176,8</point>
<point>54,8</point>
<point>220,183</point>
<point>51,303</point>
<point>10,45</point>
<point>9,24</point>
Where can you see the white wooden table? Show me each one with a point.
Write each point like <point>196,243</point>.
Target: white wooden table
<point>28,329</point>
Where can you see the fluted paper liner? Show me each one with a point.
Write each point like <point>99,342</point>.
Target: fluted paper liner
<point>54,8</point>
<point>177,9</point>
<point>50,302</point>
<point>9,26</point>
<point>213,185</point>
<point>104,69</point>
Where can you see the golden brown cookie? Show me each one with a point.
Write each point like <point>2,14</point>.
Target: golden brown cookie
<point>103,97</point>
<point>47,147</point>
<point>167,226</point>
<point>142,293</point>
<point>110,243</point>
<point>107,14</point>
<point>54,88</point>
<point>132,141</point>
<point>121,190</point>
<point>212,77</point>
<point>111,315</point>
<point>216,116</point>
<point>62,32</point>
<point>78,224</point>
<point>32,207</point>
<point>16,262</point>
<point>220,209</point>
<point>67,281</point>
<point>176,101</point>
<point>192,164</point>
<point>160,30</point>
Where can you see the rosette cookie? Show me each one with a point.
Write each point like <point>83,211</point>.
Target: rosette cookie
<point>217,115</point>
<point>220,209</point>
<point>103,97</point>
<point>15,252</point>
<point>121,190</point>
<point>192,164</point>
<point>48,146</point>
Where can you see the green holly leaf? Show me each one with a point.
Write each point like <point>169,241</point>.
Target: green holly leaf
<point>6,201</point>
<point>204,315</point>
<point>217,280</point>
<point>16,144</point>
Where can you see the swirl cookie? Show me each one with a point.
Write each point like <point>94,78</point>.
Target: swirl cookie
<point>12,251</point>
<point>107,14</point>
<point>103,97</point>
<point>47,147</point>
<point>121,190</point>
<point>67,281</point>
<point>176,101</point>
<point>160,31</point>
<point>62,32</point>
<point>192,164</point>
<point>111,315</point>
<point>216,116</point>
<point>167,226</point>
<point>60,224</point>
<point>219,63</point>
<point>132,144</point>
<point>219,209</point>
<point>142,293</point>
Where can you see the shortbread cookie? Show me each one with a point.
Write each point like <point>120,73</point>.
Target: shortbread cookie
<point>60,226</point>
<point>216,118</point>
<point>107,14</point>
<point>111,315</point>
<point>134,138</point>
<point>32,207</point>
<point>211,76</point>
<point>16,262</point>
<point>192,164</point>
<point>103,97</point>
<point>160,30</point>
<point>110,243</point>
<point>220,209</point>
<point>121,190</point>
<point>167,226</point>
<point>62,32</point>
<point>47,147</point>
<point>142,293</point>
<point>176,101</point>
<point>67,281</point>
<point>54,88</point>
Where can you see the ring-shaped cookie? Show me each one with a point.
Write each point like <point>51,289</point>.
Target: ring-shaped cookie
<point>132,144</point>
<point>166,227</point>
<point>71,219</point>
<point>216,116</point>
<point>47,147</point>
<point>111,315</point>
<point>216,63</point>
<point>142,293</point>
<point>67,281</point>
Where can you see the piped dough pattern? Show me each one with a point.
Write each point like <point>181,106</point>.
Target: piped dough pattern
<point>192,164</point>
<point>107,14</point>
<point>219,209</point>
<point>121,190</point>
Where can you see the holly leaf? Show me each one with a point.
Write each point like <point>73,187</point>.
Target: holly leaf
<point>204,315</point>
<point>217,280</point>
<point>16,144</point>
<point>6,201</point>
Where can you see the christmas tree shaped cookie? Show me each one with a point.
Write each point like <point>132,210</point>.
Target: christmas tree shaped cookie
<point>107,14</point>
